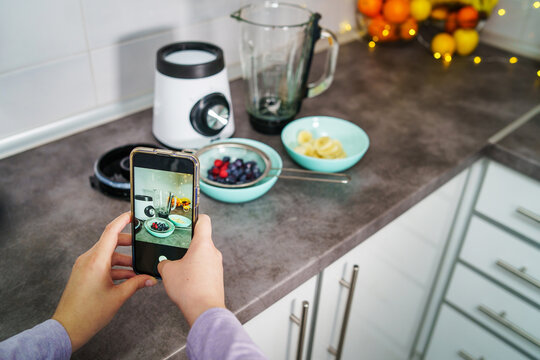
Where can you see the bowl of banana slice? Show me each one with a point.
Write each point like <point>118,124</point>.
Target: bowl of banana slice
<point>324,143</point>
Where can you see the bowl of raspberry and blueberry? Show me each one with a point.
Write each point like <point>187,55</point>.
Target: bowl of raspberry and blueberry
<point>238,170</point>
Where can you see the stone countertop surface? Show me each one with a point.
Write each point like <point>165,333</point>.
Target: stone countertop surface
<point>520,149</point>
<point>426,123</point>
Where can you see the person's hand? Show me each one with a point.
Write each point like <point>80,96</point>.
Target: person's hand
<point>91,299</point>
<point>195,282</point>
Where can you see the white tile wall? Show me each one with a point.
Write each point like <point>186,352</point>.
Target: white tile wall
<point>39,95</point>
<point>36,31</point>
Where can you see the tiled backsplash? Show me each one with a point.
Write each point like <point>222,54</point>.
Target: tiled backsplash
<point>67,65</point>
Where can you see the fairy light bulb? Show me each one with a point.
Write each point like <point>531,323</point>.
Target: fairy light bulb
<point>501,12</point>
<point>385,32</point>
<point>447,58</point>
<point>371,44</point>
<point>536,4</point>
<point>477,59</point>
<point>412,32</point>
<point>538,73</point>
<point>437,55</point>
<point>513,60</point>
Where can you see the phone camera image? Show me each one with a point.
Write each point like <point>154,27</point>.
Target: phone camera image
<point>163,207</point>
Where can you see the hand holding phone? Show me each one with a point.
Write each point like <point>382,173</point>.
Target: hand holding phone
<point>164,204</point>
<point>195,283</point>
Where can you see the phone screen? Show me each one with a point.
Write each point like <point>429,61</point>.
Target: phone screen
<point>164,196</point>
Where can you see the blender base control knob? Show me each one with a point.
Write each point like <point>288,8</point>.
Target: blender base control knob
<point>210,114</point>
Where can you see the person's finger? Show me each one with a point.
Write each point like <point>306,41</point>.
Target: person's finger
<point>203,231</point>
<point>121,260</point>
<point>161,266</point>
<point>121,274</point>
<point>124,239</point>
<point>128,287</point>
<point>109,239</point>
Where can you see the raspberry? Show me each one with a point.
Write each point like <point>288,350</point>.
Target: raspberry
<point>223,173</point>
<point>218,163</point>
<point>215,171</point>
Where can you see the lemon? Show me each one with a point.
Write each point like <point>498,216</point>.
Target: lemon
<point>304,136</point>
<point>443,44</point>
<point>466,41</point>
<point>420,9</point>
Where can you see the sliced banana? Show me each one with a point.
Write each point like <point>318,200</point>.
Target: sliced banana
<point>304,136</point>
<point>323,147</point>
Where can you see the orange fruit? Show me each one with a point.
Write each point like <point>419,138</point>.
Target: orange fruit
<point>381,30</point>
<point>467,17</point>
<point>451,23</point>
<point>408,29</point>
<point>370,8</point>
<point>396,11</point>
<point>443,43</point>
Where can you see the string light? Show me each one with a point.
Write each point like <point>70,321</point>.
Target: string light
<point>536,4</point>
<point>344,27</point>
<point>501,12</point>
<point>477,59</point>
<point>375,38</point>
<point>385,32</point>
<point>513,60</point>
<point>437,55</point>
<point>538,73</point>
<point>412,32</point>
<point>447,58</point>
<point>371,44</point>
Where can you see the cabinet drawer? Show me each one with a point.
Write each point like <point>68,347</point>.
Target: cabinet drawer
<point>477,296</point>
<point>455,337</point>
<point>504,192</point>
<point>502,255</point>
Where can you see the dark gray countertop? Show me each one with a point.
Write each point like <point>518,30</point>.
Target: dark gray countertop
<point>426,123</point>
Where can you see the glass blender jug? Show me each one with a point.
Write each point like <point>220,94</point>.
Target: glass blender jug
<point>276,48</point>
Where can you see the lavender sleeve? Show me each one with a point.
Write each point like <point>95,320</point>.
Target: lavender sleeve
<point>217,334</point>
<point>48,340</point>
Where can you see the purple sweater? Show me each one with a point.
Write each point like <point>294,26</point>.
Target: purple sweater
<point>216,334</point>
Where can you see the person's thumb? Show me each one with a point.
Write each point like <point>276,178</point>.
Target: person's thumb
<point>161,265</point>
<point>130,286</point>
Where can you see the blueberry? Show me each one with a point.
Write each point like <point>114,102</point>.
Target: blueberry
<point>243,178</point>
<point>239,162</point>
<point>226,158</point>
<point>248,171</point>
<point>232,166</point>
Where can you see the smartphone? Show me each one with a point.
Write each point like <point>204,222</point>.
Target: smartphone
<point>164,206</point>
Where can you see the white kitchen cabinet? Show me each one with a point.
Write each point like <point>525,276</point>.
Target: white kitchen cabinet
<point>396,267</point>
<point>493,282</point>
<point>273,330</point>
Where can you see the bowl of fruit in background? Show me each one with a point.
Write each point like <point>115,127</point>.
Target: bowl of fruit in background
<point>446,27</point>
<point>324,143</point>
<point>235,175</point>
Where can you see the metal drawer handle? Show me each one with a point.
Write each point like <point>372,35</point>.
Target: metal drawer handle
<point>466,356</point>
<point>528,213</point>
<point>521,272</point>
<point>501,319</point>
<point>351,286</point>
<point>301,322</point>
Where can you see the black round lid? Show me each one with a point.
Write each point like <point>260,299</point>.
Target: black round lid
<point>143,197</point>
<point>109,176</point>
<point>189,71</point>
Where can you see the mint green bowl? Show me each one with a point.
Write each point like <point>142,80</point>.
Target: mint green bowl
<point>354,140</point>
<point>245,194</point>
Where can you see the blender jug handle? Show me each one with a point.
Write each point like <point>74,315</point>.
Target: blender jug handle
<point>319,86</point>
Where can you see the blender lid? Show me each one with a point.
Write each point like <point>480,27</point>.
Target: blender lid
<point>110,176</point>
